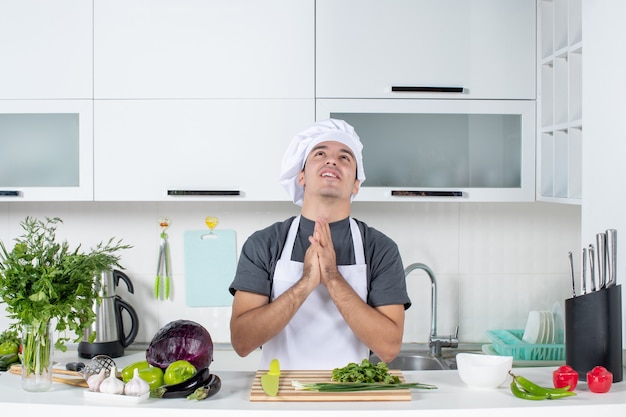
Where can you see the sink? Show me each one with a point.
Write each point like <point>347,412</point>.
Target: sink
<point>419,358</point>
<point>414,361</point>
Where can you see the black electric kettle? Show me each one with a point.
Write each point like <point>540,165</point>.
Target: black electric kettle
<point>110,336</point>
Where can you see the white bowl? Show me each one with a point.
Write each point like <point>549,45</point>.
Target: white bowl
<point>483,371</point>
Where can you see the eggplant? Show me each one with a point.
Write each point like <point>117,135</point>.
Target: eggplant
<point>184,388</point>
<point>212,387</point>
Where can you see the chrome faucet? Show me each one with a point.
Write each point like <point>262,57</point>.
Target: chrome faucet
<point>435,342</point>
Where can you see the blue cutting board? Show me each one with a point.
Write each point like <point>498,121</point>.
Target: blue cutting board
<point>210,264</point>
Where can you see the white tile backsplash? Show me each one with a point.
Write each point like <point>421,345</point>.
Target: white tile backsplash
<point>493,261</point>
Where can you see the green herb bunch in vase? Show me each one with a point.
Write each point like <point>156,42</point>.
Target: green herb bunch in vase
<point>47,286</point>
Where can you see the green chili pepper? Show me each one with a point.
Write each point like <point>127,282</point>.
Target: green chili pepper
<point>523,388</point>
<point>524,395</point>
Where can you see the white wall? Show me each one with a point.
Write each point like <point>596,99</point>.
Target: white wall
<point>604,138</point>
<point>494,261</point>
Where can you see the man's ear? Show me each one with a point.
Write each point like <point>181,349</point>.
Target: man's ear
<point>355,189</point>
<point>301,178</point>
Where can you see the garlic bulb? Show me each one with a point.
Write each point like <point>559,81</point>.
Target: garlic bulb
<point>94,381</point>
<point>112,385</point>
<point>136,386</point>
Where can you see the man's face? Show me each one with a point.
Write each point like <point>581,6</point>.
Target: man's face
<point>330,171</point>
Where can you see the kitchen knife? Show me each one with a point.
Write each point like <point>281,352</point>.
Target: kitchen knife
<point>270,381</point>
<point>592,269</point>
<point>571,270</point>
<point>611,257</point>
<point>601,254</point>
<point>583,277</point>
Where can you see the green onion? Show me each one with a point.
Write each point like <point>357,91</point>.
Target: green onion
<point>357,386</point>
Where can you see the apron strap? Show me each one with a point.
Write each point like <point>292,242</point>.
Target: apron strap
<point>359,250</point>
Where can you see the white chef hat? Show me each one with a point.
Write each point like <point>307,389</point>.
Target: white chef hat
<point>301,145</point>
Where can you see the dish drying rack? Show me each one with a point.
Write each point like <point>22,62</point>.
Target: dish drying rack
<point>510,343</point>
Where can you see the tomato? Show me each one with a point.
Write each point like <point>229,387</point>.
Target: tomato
<point>129,371</point>
<point>152,375</point>
<point>178,371</point>
<point>565,376</point>
<point>599,379</point>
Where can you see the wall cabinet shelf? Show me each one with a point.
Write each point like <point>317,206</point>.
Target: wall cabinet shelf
<point>559,101</point>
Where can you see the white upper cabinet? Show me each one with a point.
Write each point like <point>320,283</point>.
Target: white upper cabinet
<point>442,150</point>
<point>46,150</point>
<point>485,48</point>
<point>46,49</point>
<point>46,106</point>
<point>188,150</point>
<point>203,49</point>
<point>197,99</point>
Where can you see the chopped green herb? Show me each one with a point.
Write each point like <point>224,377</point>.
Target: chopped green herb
<point>366,372</point>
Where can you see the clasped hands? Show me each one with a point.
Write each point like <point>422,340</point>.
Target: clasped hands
<point>320,262</point>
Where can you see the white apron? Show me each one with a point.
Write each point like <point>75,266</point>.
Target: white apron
<point>317,337</point>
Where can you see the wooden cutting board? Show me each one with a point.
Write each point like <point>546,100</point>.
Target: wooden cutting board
<point>287,393</point>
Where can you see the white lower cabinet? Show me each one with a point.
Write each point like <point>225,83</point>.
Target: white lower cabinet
<point>186,150</point>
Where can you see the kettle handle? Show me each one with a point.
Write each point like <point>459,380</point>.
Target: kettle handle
<point>117,275</point>
<point>120,305</point>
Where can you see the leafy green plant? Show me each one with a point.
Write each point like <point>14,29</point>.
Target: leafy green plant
<point>44,281</point>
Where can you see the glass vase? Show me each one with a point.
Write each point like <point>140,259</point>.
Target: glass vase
<point>37,357</point>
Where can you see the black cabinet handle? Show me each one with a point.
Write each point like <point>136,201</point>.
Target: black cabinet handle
<point>421,193</point>
<point>214,193</point>
<point>10,193</point>
<point>426,89</point>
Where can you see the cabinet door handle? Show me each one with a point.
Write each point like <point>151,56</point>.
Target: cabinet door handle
<point>422,193</point>
<point>215,193</point>
<point>426,89</point>
<point>10,193</point>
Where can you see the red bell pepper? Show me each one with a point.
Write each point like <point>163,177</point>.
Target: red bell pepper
<point>599,379</point>
<point>565,376</point>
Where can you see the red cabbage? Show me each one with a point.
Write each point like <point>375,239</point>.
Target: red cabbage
<point>181,340</point>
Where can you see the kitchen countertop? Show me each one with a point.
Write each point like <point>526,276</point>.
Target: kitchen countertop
<point>452,398</point>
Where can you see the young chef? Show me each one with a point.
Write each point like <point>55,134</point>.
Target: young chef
<point>320,290</point>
